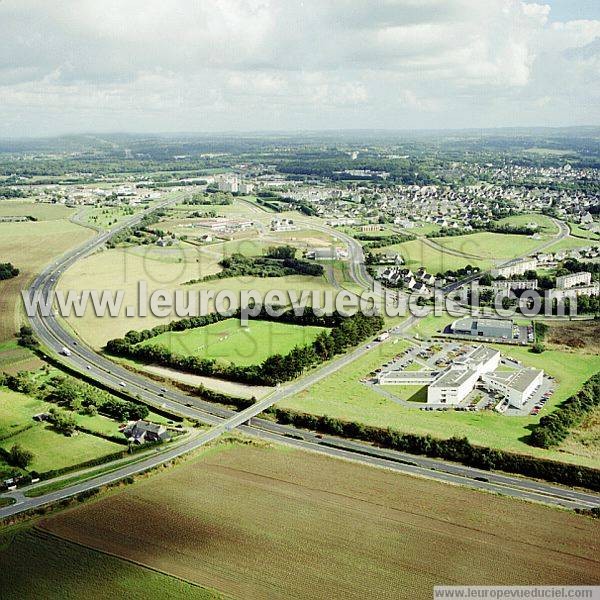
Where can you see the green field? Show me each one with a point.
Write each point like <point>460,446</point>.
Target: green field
<point>489,245</point>
<point>35,564</point>
<point>417,253</point>
<point>545,223</point>
<point>412,393</point>
<point>41,211</point>
<point>571,243</point>
<point>29,247</point>
<point>228,341</point>
<point>342,395</point>
<point>161,268</point>
<point>580,232</point>
<point>52,450</point>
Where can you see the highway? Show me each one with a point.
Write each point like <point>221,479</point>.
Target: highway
<point>53,335</point>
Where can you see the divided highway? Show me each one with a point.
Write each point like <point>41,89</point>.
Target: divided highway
<point>97,367</point>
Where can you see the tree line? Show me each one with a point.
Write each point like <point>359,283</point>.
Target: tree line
<point>453,449</point>
<point>555,427</point>
<point>277,368</point>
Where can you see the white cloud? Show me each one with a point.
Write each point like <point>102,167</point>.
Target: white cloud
<point>270,64</point>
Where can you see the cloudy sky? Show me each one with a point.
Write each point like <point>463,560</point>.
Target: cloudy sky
<point>71,66</point>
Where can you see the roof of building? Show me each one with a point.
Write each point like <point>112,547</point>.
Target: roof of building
<point>517,380</point>
<point>453,377</point>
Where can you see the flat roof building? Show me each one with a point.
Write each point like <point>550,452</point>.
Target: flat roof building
<point>483,327</point>
<point>516,386</point>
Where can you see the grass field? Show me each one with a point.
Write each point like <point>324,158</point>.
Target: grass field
<point>264,511</point>
<point>42,212</point>
<point>489,245</point>
<point>580,232</point>
<point>29,247</point>
<point>35,564</point>
<point>570,243</point>
<point>51,449</point>
<point>342,395</point>
<point>416,253</point>
<point>413,393</point>
<point>230,342</point>
<point>161,268</point>
<point>545,223</point>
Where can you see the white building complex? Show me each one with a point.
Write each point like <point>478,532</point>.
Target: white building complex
<point>454,384</point>
<point>516,386</point>
<point>457,382</point>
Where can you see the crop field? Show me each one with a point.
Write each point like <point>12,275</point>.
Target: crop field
<point>35,564</point>
<point>417,253</point>
<point>29,247</point>
<point>489,245</point>
<point>160,268</point>
<point>264,511</point>
<point>342,395</point>
<point>228,341</point>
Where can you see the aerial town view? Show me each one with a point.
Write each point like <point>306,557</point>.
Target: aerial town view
<point>300,300</point>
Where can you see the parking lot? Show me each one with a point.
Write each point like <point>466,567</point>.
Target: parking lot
<point>436,356</point>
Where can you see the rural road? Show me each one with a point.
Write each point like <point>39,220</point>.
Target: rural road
<point>111,375</point>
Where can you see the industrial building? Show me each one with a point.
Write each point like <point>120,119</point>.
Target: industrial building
<point>484,327</point>
<point>453,384</point>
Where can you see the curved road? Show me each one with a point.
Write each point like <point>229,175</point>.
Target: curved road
<point>95,366</point>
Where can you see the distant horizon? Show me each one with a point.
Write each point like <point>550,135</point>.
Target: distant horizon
<point>300,132</point>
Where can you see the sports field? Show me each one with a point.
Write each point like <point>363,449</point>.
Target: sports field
<point>272,522</point>
<point>229,341</point>
<point>342,395</point>
<point>35,564</point>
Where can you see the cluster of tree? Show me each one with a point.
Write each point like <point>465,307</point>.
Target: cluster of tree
<point>451,232</point>
<point>216,199</point>
<point>9,192</point>
<point>17,456</point>
<point>271,205</point>
<point>512,229</point>
<point>453,449</point>
<point>63,421</point>
<point>278,262</point>
<point>458,273</point>
<point>82,397</point>
<point>555,427</point>
<point>26,338</point>
<point>346,332</point>
<point>138,234</point>
<point>7,270</point>
<point>384,240</point>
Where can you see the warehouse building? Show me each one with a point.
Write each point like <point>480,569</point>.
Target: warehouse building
<point>483,327</point>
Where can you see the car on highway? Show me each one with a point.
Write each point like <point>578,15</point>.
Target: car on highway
<point>122,384</point>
